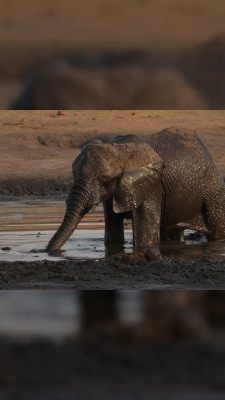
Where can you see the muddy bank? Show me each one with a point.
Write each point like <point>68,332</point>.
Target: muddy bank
<point>98,367</point>
<point>111,273</point>
<point>34,187</point>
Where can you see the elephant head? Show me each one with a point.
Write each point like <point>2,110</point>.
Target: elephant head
<point>126,172</point>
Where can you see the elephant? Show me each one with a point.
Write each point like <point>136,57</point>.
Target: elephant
<point>63,85</point>
<point>165,183</point>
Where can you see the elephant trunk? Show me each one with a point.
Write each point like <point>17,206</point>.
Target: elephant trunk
<point>79,202</point>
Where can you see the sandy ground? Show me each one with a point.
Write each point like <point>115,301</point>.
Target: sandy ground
<point>44,143</point>
<point>102,368</point>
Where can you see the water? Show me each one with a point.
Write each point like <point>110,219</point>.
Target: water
<point>28,225</point>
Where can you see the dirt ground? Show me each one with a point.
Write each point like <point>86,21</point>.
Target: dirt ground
<point>102,368</point>
<point>113,274</point>
<point>40,146</point>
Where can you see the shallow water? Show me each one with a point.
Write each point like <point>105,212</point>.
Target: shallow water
<point>28,225</point>
<point>84,244</point>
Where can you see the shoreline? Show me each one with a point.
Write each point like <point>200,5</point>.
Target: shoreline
<point>33,188</point>
<point>110,273</point>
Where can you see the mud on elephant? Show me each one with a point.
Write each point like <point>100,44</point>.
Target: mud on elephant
<point>165,183</point>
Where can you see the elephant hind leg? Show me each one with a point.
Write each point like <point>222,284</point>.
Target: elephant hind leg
<point>175,235</point>
<point>176,232</point>
<point>214,215</point>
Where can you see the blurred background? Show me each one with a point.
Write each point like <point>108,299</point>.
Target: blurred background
<point>158,54</point>
<point>118,345</point>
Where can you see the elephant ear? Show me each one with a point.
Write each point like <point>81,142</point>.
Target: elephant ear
<point>134,187</point>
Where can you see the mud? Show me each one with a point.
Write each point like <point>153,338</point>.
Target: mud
<point>114,369</point>
<point>111,273</point>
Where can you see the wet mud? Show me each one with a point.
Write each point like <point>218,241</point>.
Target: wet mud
<point>111,273</point>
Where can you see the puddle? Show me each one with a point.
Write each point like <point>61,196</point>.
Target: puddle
<point>28,225</point>
<point>194,250</point>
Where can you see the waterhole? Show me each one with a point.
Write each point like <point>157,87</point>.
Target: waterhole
<point>27,226</point>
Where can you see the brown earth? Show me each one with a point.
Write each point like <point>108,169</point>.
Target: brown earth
<point>114,274</point>
<point>38,147</point>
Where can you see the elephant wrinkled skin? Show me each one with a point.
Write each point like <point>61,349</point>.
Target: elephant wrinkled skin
<point>165,183</point>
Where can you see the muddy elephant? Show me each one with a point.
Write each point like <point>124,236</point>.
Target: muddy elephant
<point>165,183</point>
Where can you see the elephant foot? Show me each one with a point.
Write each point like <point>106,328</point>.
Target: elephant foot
<point>153,254</point>
<point>140,257</point>
<point>113,250</point>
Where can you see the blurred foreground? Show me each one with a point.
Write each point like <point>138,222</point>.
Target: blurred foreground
<point>173,347</point>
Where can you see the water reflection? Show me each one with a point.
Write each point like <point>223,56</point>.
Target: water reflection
<point>195,250</point>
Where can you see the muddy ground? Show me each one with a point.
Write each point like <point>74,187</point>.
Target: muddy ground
<point>113,369</point>
<point>111,273</point>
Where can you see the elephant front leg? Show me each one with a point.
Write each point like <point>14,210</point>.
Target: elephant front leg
<point>146,229</point>
<point>114,230</point>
